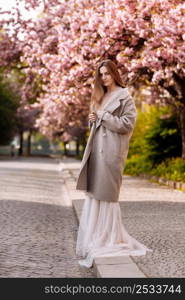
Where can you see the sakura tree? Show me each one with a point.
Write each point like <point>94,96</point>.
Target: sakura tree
<point>63,46</point>
<point>24,87</point>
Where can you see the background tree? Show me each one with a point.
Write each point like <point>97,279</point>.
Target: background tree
<point>63,46</point>
<point>8,106</point>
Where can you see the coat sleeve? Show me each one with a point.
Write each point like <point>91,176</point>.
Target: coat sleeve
<point>122,124</point>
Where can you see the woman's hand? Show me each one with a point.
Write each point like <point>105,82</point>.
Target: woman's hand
<point>92,117</point>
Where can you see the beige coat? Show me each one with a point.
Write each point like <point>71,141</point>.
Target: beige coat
<point>107,147</point>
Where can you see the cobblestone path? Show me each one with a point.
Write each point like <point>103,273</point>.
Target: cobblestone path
<point>38,225</point>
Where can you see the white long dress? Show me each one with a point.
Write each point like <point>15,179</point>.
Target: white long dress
<point>102,233</point>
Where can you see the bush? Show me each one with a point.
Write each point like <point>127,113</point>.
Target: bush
<point>156,135</point>
<point>138,144</point>
<point>137,164</point>
<point>155,146</point>
<point>163,138</point>
<point>172,169</point>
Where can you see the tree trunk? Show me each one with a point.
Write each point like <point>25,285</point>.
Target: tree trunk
<point>84,142</point>
<point>182,128</point>
<point>77,147</point>
<point>20,153</point>
<point>65,149</point>
<point>28,150</point>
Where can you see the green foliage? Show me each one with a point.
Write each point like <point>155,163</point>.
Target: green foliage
<point>156,135</point>
<point>173,169</point>
<point>138,143</point>
<point>163,138</point>
<point>155,146</point>
<point>8,106</point>
<point>137,164</point>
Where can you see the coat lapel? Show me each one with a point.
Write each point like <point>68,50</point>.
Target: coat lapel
<point>114,102</point>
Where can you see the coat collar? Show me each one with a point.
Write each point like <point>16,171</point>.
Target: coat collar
<point>115,99</point>
<point>114,102</point>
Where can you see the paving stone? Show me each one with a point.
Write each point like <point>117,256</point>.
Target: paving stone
<point>38,224</point>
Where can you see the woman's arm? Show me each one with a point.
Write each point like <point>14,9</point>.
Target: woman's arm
<point>123,124</point>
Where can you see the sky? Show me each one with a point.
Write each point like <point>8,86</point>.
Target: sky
<point>8,4</point>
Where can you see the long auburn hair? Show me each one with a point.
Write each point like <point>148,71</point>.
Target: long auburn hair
<point>99,89</point>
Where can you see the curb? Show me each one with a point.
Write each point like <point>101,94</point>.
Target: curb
<point>179,185</point>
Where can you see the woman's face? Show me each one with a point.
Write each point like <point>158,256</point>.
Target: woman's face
<point>106,77</point>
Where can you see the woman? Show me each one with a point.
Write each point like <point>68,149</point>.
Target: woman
<point>112,119</point>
